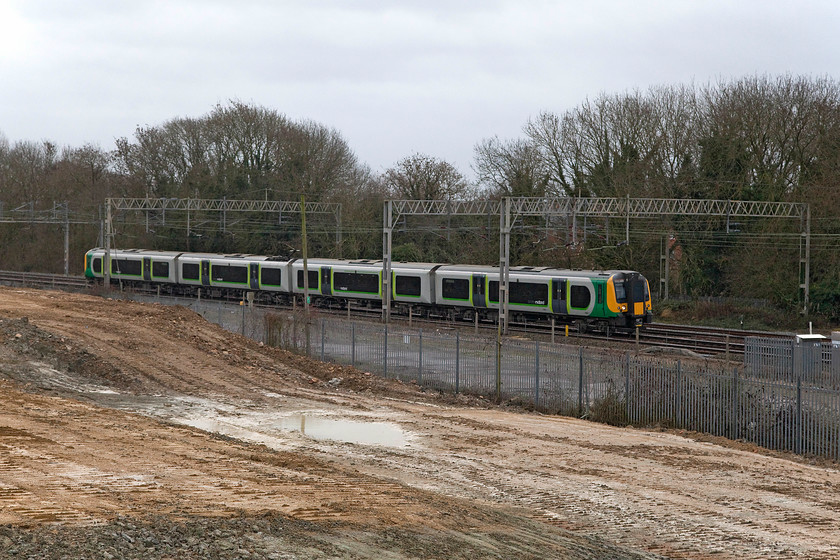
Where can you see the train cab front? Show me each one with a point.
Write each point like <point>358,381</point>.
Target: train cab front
<point>632,300</point>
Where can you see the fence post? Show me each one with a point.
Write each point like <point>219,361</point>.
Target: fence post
<point>536,374</point>
<point>353,344</point>
<point>627,385</point>
<point>420,360</point>
<point>678,405</point>
<point>498,373</point>
<point>323,336</point>
<point>385,354</point>
<point>736,424</point>
<point>580,381</point>
<point>798,427</point>
<point>457,359</point>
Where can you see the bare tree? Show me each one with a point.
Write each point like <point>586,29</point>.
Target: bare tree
<point>316,160</point>
<point>617,145</point>
<point>238,149</point>
<point>423,177</point>
<point>83,176</point>
<point>777,124</point>
<point>512,168</point>
<point>25,170</point>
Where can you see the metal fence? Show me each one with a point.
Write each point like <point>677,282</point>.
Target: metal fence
<point>797,414</point>
<point>788,360</point>
<point>775,406</point>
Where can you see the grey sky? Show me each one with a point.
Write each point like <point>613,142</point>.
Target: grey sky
<point>392,77</point>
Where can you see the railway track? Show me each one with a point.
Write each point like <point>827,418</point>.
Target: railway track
<point>43,280</point>
<point>702,340</point>
<point>706,341</point>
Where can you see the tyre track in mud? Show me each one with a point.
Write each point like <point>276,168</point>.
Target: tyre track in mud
<point>675,520</point>
<point>152,469</point>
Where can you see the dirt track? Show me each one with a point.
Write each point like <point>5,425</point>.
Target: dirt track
<point>132,430</point>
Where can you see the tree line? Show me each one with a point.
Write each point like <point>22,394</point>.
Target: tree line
<point>767,138</point>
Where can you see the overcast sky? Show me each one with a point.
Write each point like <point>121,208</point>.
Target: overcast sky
<point>393,78</point>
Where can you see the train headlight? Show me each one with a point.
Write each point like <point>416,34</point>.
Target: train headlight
<point>622,307</point>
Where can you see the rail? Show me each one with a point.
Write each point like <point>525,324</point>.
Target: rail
<point>43,280</point>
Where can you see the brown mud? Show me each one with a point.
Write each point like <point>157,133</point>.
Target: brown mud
<point>134,430</point>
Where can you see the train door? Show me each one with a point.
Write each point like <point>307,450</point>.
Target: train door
<point>254,274</point>
<point>205,273</point>
<point>635,286</point>
<point>326,280</point>
<point>147,269</point>
<point>558,296</point>
<point>478,293</point>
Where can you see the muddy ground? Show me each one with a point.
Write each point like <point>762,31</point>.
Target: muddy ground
<point>141,431</point>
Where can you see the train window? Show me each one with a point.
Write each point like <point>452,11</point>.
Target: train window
<point>580,297</point>
<point>356,282</point>
<point>493,291</point>
<point>232,274</point>
<point>313,279</point>
<point>160,269</point>
<point>522,293</point>
<point>407,285</point>
<point>639,289</point>
<point>528,293</point>
<point>189,271</point>
<point>271,276</point>
<point>620,292</point>
<point>96,265</point>
<point>456,288</point>
<point>126,267</point>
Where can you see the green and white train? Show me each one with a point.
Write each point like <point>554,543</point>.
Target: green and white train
<point>603,300</point>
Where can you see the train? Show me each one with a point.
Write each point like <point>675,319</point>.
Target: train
<point>588,300</point>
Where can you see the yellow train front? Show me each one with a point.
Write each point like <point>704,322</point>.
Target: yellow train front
<point>628,303</point>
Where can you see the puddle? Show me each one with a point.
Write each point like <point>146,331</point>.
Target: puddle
<point>243,420</point>
<point>269,428</point>
<point>350,431</point>
<point>231,429</point>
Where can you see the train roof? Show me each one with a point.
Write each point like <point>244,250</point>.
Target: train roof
<point>140,252</point>
<point>225,256</point>
<point>368,263</point>
<point>535,270</point>
<point>152,252</point>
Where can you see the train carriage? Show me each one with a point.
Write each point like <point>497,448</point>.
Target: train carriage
<point>134,265</point>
